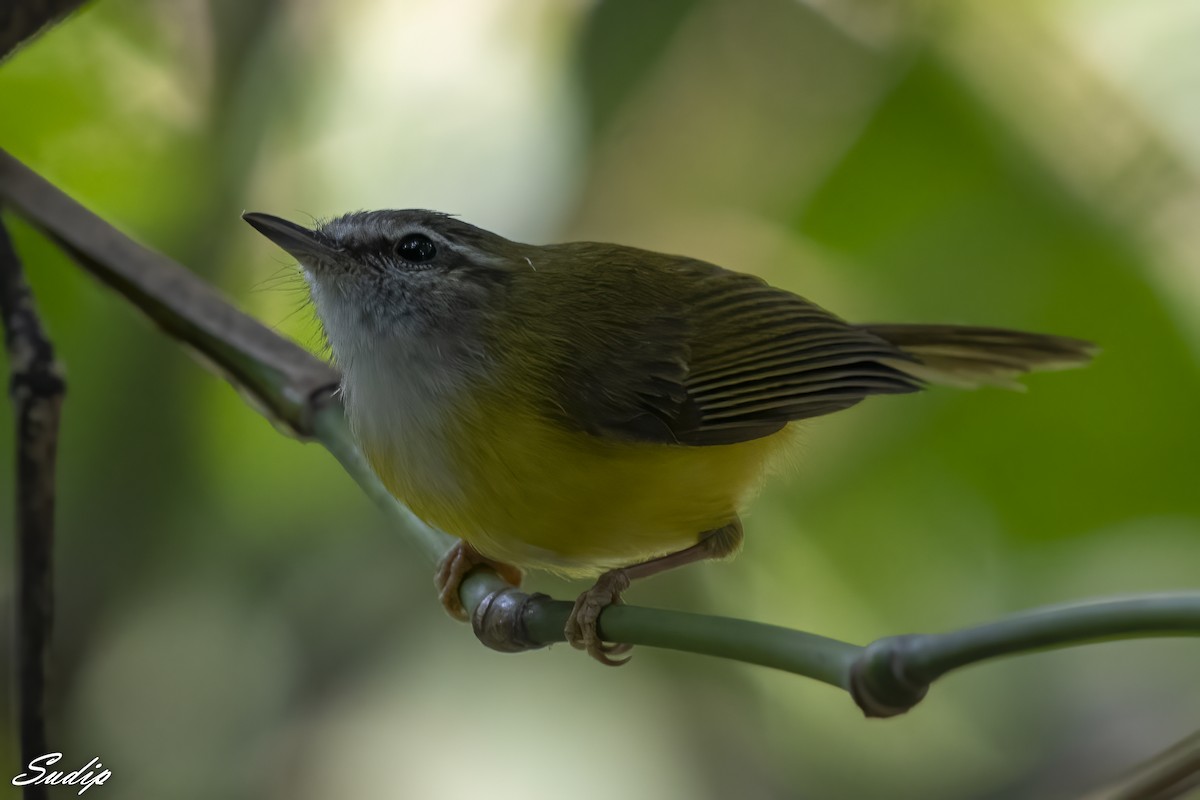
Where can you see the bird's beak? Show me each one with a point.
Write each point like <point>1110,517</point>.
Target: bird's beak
<point>300,242</point>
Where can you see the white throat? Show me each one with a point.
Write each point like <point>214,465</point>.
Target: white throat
<point>401,387</point>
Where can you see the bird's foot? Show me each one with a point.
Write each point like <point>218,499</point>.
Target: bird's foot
<point>454,566</point>
<point>581,629</point>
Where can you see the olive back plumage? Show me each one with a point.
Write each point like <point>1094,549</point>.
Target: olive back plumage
<point>657,348</point>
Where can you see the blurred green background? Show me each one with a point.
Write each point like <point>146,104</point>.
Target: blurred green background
<point>235,619</point>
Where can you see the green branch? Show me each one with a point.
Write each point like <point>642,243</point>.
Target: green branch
<point>294,389</point>
<point>893,674</point>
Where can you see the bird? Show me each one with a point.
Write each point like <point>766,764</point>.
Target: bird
<point>589,409</point>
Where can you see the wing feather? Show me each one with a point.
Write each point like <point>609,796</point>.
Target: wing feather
<point>703,356</point>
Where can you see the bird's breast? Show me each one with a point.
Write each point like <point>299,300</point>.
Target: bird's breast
<point>407,408</point>
<point>492,467</point>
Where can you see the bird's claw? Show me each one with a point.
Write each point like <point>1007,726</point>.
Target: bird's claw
<point>581,629</point>
<point>454,566</point>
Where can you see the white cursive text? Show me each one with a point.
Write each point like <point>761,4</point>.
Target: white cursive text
<point>89,775</point>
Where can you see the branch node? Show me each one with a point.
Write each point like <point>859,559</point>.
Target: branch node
<point>879,682</point>
<point>499,620</point>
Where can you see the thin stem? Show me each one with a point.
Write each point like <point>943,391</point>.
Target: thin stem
<point>543,620</point>
<point>929,657</point>
<point>818,657</point>
<point>1175,772</point>
<point>893,674</point>
<point>37,388</point>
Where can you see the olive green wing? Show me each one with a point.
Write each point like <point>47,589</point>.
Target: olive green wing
<point>761,357</point>
<point>717,358</point>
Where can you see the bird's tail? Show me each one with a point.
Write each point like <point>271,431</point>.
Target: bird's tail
<point>966,357</point>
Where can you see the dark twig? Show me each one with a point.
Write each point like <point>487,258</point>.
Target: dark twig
<point>1173,773</point>
<point>21,20</point>
<point>37,388</point>
<point>278,376</point>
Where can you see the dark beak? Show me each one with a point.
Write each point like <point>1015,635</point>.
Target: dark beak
<point>297,240</point>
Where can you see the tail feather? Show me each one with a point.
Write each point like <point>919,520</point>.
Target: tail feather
<point>966,357</point>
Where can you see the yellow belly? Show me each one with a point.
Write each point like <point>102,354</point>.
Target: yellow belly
<point>531,494</point>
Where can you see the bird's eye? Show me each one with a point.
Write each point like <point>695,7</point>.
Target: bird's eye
<point>416,248</point>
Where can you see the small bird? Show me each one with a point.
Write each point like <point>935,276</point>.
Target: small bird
<point>593,409</point>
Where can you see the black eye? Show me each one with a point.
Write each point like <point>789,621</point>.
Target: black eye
<point>416,248</point>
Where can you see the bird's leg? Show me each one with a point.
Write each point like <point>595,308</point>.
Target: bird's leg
<point>581,625</point>
<point>454,566</point>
